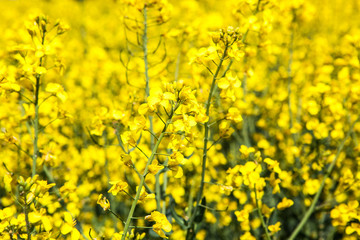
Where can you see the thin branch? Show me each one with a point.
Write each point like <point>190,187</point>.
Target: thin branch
<point>318,194</point>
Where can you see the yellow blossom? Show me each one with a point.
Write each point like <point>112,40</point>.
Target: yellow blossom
<point>285,203</point>
<point>154,167</point>
<point>274,228</point>
<point>103,202</point>
<point>117,186</point>
<point>161,223</point>
<point>58,90</point>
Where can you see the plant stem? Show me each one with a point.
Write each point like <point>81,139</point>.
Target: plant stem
<point>147,93</point>
<point>165,181</point>
<point>107,173</point>
<point>141,184</point>
<point>206,138</point>
<point>142,179</point>
<point>261,216</point>
<point>158,191</point>
<point>27,219</point>
<point>144,37</point>
<point>146,64</point>
<point>36,119</point>
<point>317,196</point>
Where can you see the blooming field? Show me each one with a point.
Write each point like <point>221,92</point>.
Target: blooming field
<point>192,119</point>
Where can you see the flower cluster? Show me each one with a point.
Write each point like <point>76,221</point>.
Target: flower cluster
<point>144,119</point>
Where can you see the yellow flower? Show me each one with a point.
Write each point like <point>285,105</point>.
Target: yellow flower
<point>274,182</point>
<point>68,226</point>
<point>40,70</point>
<point>247,236</point>
<point>36,216</point>
<point>161,223</point>
<point>274,228</point>
<point>245,151</point>
<point>285,203</point>
<point>98,126</point>
<point>118,186</point>
<point>58,90</point>
<point>9,85</point>
<point>7,181</point>
<point>311,186</point>
<point>243,215</point>
<point>175,160</point>
<point>266,210</point>
<point>155,167</point>
<point>144,195</point>
<point>223,83</point>
<point>103,202</point>
<point>273,165</point>
<point>234,115</point>
<point>354,227</point>
<point>126,159</point>
<point>225,129</point>
<point>43,186</point>
<point>128,138</point>
<point>176,169</point>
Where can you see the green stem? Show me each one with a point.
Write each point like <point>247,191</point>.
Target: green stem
<point>290,81</point>
<point>147,93</point>
<point>317,196</point>
<point>115,215</point>
<point>27,219</point>
<point>261,216</point>
<point>36,127</point>
<point>206,138</point>
<point>141,184</point>
<point>165,182</point>
<point>142,179</point>
<point>36,120</point>
<point>158,191</point>
<point>146,64</point>
<point>139,175</point>
<point>291,117</point>
<point>107,173</point>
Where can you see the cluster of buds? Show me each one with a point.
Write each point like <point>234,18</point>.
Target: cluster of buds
<point>25,186</point>
<point>32,188</point>
<point>227,36</point>
<point>41,23</point>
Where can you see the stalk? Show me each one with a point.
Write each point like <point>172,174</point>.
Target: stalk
<point>147,78</point>
<point>147,93</point>
<point>26,213</point>
<point>142,179</point>
<point>261,216</point>
<point>311,209</point>
<point>36,119</point>
<point>206,138</point>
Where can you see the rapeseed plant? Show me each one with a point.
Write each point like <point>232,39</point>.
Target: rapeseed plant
<point>153,119</point>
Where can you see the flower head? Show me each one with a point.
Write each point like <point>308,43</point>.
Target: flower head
<point>118,186</point>
<point>103,202</point>
<point>161,223</point>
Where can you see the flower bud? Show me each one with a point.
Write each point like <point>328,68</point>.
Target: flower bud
<point>21,181</point>
<point>222,33</point>
<point>228,39</point>
<point>230,30</point>
<point>29,198</point>
<point>216,37</point>
<point>43,25</point>
<point>34,179</point>
<point>62,28</point>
